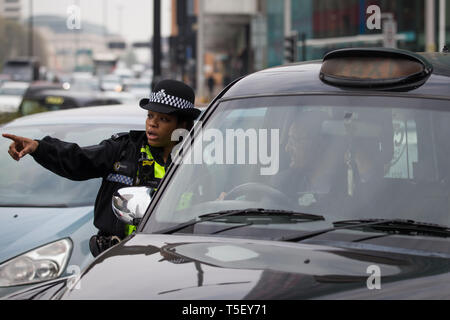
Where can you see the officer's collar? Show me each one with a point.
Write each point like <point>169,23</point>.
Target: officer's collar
<point>139,138</point>
<point>157,153</point>
<point>137,135</point>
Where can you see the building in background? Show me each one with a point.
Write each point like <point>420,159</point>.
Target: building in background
<point>11,9</point>
<point>234,40</point>
<point>240,37</point>
<point>228,44</point>
<point>183,40</point>
<point>72,49</point>
<point>326,25</point>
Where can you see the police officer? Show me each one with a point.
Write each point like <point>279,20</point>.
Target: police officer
<point>126,159</point>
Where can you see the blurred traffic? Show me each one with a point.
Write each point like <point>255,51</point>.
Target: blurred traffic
<point>27,87</point>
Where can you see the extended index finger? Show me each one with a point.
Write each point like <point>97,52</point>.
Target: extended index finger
<point>11,136</point>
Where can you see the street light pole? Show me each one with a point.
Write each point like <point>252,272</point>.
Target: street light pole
<point>441,24</point>
<point>200,48</point>
<point>105,21</point>
<point>30,31</point>
<point>120,10</point>
<point>156,41</point>
<point>288,28</point>
<point>77,34</point>
<point>287,18</point>
<point>429,26</point>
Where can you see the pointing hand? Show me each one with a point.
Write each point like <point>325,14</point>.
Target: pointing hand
<point>21,146</point>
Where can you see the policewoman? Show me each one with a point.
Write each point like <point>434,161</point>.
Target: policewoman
<point>135,158</point>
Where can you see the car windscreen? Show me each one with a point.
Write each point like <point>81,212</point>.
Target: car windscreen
<point>26,183</point>
<point>343,157</point>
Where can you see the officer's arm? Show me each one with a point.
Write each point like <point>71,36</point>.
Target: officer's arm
<point>71,161</point>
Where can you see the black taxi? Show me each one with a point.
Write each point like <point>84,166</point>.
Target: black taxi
<point>327,179</point>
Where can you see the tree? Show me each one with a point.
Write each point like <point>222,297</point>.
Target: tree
<point>14,42</point>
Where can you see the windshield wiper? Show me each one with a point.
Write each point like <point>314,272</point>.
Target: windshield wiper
<point>233,227</point>
<point>398,226</point>
<point>242,212</point>
<point>404,226</point>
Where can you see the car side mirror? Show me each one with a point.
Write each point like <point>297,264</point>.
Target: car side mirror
<point>130,204</point>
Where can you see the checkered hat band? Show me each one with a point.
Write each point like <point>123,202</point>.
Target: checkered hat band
<point>170,100</point>
<point>120,178</point>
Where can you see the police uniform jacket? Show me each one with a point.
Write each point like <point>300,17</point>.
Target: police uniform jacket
<point>115,160</point>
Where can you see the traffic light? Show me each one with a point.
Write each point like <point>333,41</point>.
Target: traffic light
<point>290,48</point>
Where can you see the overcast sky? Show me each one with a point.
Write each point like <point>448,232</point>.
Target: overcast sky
<point>136,16</point>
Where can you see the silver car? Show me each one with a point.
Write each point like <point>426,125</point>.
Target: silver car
<point>46,220</point>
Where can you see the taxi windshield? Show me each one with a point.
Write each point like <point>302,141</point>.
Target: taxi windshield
<point>341,157</point>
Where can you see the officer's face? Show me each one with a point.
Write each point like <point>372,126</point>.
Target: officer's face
<point>159,127</point>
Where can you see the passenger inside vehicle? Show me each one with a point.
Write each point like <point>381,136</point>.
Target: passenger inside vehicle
<point>370,166</point>
<point>303,149</point>
<point>316,163</point>
<point>339,157</point>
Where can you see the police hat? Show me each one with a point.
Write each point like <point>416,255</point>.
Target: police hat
<point>173,97</point>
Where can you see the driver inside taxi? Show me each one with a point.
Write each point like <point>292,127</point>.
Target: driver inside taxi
<point>368,160</point>
<point>312,161</point>
<point>316,161</point>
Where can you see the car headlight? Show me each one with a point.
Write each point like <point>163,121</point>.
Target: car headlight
<point>40,264</point>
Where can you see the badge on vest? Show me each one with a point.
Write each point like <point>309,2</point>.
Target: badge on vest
<point>118,165</point>
<point>148,162</point>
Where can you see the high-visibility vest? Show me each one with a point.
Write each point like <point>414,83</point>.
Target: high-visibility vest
<point>159,172</point>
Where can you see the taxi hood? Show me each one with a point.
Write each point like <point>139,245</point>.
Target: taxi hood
<point>173,267</point>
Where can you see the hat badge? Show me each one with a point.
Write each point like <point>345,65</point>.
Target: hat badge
<point>161,94</point>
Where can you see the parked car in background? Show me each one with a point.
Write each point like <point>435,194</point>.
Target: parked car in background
<point>110,82</point>
<point>83,81</point>
<point>11,93</point>
<point>51,100</point>
<point>3,78</point>
<point>123,73</point>
<point>123,96</point>
<point>46,220</point>
<point>22,69</point>
<point>139,88</point>
<point>40,85</point>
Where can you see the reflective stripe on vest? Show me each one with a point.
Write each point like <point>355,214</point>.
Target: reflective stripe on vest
<point>129,229</point>
<point>159,172</point>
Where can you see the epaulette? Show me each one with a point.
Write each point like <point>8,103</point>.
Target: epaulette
<point>116,136</point>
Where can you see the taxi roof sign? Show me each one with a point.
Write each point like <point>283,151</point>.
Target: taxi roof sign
<point>375,68</point>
